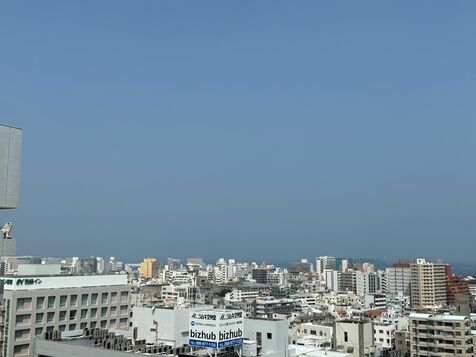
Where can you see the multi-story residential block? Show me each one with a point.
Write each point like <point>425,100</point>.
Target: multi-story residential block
<point>440,335</point>
<point>37,304</point>
<point>299,267</point>
<point>267,307</point>
<point>398,279</point>
<point>384,335</point>
<point>148,268</point>
<point>325,263</point>
<point>260,275</point>
<point>332,278</point>
<point>347,281</point>
<point>366,283</point>
<point>428,285</point>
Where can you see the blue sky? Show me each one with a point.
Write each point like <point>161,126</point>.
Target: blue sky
<point>265,129</point>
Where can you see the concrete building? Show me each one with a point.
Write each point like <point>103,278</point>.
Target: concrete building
<point>271,336</point>
<point>312,334</point>
<point>332,280</point>
<point>10,165</point>
<point>148,268</point>
<point>398,279</point>
<point>347,281</point>
<point>428,285</point>
<point>375,301</point>
<point>167,326</point>
<point>354,336</point>
<point>299,267</point>
<point>440,335</point>
<point>267,307</point>
<point>384,335</point>
<point>37,304</point>
<point>325,263</point>
<point>260,275</point>
<point>366,283</point>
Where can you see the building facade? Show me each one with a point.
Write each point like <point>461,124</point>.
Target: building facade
<point>440,335</point>
<point>428,285</point>
<point>37,304</point>
<point>10,165</point>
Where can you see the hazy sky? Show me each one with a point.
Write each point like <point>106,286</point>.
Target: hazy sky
<point>259,129</point>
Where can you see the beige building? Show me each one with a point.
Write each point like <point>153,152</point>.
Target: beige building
<point>440,335</point>
<point>37,304</point>
<point>428,285</point>
<point>148,268</point>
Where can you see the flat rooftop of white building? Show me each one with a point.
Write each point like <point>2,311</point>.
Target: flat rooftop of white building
<point>38,282</point>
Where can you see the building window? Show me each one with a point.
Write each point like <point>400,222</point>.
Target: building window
<point>104,298</point>
<point>73,300</point>
<point>112,323</point>
<point>24,304</point>
<point>113,310</point>
<point>62,328</point>
<point>269,335</point>
<point>50,316</point>
<point>72,327</point>
<point>113,297</point>
<point>94,299</point>
<point>63,300</point>
<point>83,325</point>
<point>103,311</point>
<point>103,323</point>
<point>346,337</point>
<point>124,296</point>
<point>84,299</point>
<point>51,301</point>
<point>39,318</point>
<point>40,302</point>
<point>62,315</point>
<point>93,324</point>
<point>84,313</point>
<point>38,331</point>
<point>72,315</point>
<point>124,309</point>
<point>94,313</point>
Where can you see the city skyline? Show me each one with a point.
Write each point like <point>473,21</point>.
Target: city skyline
<point>248,131</point>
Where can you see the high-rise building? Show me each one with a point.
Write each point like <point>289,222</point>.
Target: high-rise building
<point>366,283</point>
<point>398,279</point>
<point>148,268</point>
<point>428,284</point>
<point>325,263</point>
<point>10,164</point>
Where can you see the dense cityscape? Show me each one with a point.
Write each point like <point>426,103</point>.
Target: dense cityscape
<point>318,306</point>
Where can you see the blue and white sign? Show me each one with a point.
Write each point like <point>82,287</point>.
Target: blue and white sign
<point>216,328</point>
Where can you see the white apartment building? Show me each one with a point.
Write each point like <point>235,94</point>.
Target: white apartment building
<point>384,335</point>
<point>332,280</point>
<point>323,263</point>
<point>398,278</point>
<point>366,283</point>
<point>240,295</point>
<point>36,304</point>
